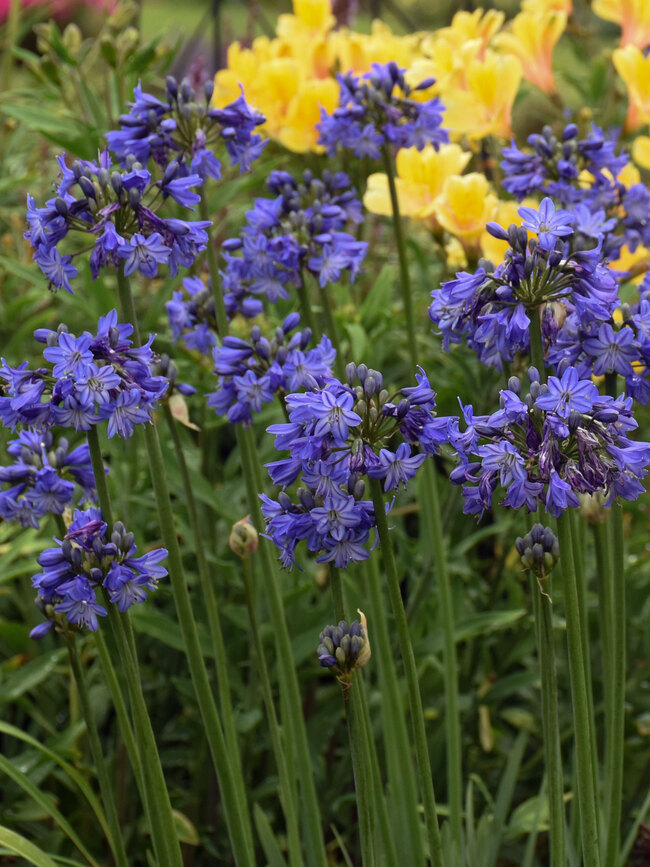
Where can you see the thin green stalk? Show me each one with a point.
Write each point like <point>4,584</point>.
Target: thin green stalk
<point>331,329</point>
<point>604,567</point>
<point>358,747</point>
<point>156,797</point>
<point>306,312</point>
<point>414,697</point>
<point>405,280</point>
<point>251,466</point>
<point>372,761</point>
<point>401,779</point>
<point>433,525</point>
<point>543,609</point>
<point>579,689</point>
<point>116,840</point>
<point>210,600</point>
<point>11,38</point>
<point>615,744</point>
<point>213,267</point>
<point>237,813</point>
<point>286,787</point>
<point>536,345</point>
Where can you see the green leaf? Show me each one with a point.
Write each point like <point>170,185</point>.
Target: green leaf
<point>486,622</point>
<point>268,839</point>
<point>71,771</point>
<point>18,845</point>
<point>358,339</point>
<point>30,675</point>
<point>43,801</point>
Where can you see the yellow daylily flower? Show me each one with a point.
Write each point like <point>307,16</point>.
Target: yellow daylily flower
<point>641,151</point>
<point>465,206</point>
<point>639,261</point>
<point>634,69</point>
<point>464,27</point>
<point>532,38</point>
<point>298,132</point>
<point>565,6</point>
<point>313,17</point>
<point>420,178</point>
<point>633,17</point>
<point>484,106</point>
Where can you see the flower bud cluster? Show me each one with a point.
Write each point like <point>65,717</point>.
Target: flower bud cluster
<point>344,648</point>
<point>42,477</point>
<point>539,550</point>
<point>377,110</point>
<point>251,372</point>
<point>300,230</point>
<point>85,560</point>
<point>92,378</point>
<point>188,128</point>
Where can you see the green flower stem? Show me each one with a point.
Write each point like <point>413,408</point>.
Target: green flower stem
<point>543,610</point>
<point>331,329</point>
<point>372,761</point>
<point>536,344</point>
<point>433,525</point>
<point>286,788</point>
<point>413,687</point>
<point>306,312</point>
<point>126,729</point>
<point>237,812</point>
<point>295,722</point>
<point>614,614</point>
<point>156,797</point>
<point>405,814</point>
<point>358,746</point>
<point>211,606</point>
<point>579,695</point>
<point>213,267</point>
<point>405,280</point>
<point>116,840</point>
<point>615,695</point>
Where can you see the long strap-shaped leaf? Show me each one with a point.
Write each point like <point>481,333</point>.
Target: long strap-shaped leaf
<point>70,770</point>
<point>27,786</point>
<point>18,845</point>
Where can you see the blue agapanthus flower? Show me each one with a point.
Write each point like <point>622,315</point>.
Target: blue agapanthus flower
<point>93,378</point>
<point>117,210</point>
<point>491,309</point>
<point>377,109</point>
<point>301,231</point>
<point>43,478</point>
<point>251,373</point>
<point>548,445</point>
<point>84,561</point>
<point>186,127</point>
<point>336,435</point>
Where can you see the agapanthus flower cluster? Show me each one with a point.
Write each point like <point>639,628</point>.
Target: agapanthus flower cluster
<point>491,309</point>
<point>42,477</point>
<point>583,173</point>
<point>185,128</point>
<point>336,435</point>
<point>250,373</point>
<point>91,378</point>
<point>549,444</point>
<point>377,110</point>
<point>86,560</point>
<point>555,164</point>
<point>115,210</point>
<point>299,231</point>
<point>618,344</point>
<point>344,648</point>
<point>539,550</point>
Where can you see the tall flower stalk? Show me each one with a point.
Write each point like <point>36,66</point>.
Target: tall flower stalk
<point>452,717</point>
<point>237,813</point>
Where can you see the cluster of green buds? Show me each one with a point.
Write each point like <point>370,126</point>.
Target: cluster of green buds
<point>539,551</point>
<point>344,648</point>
